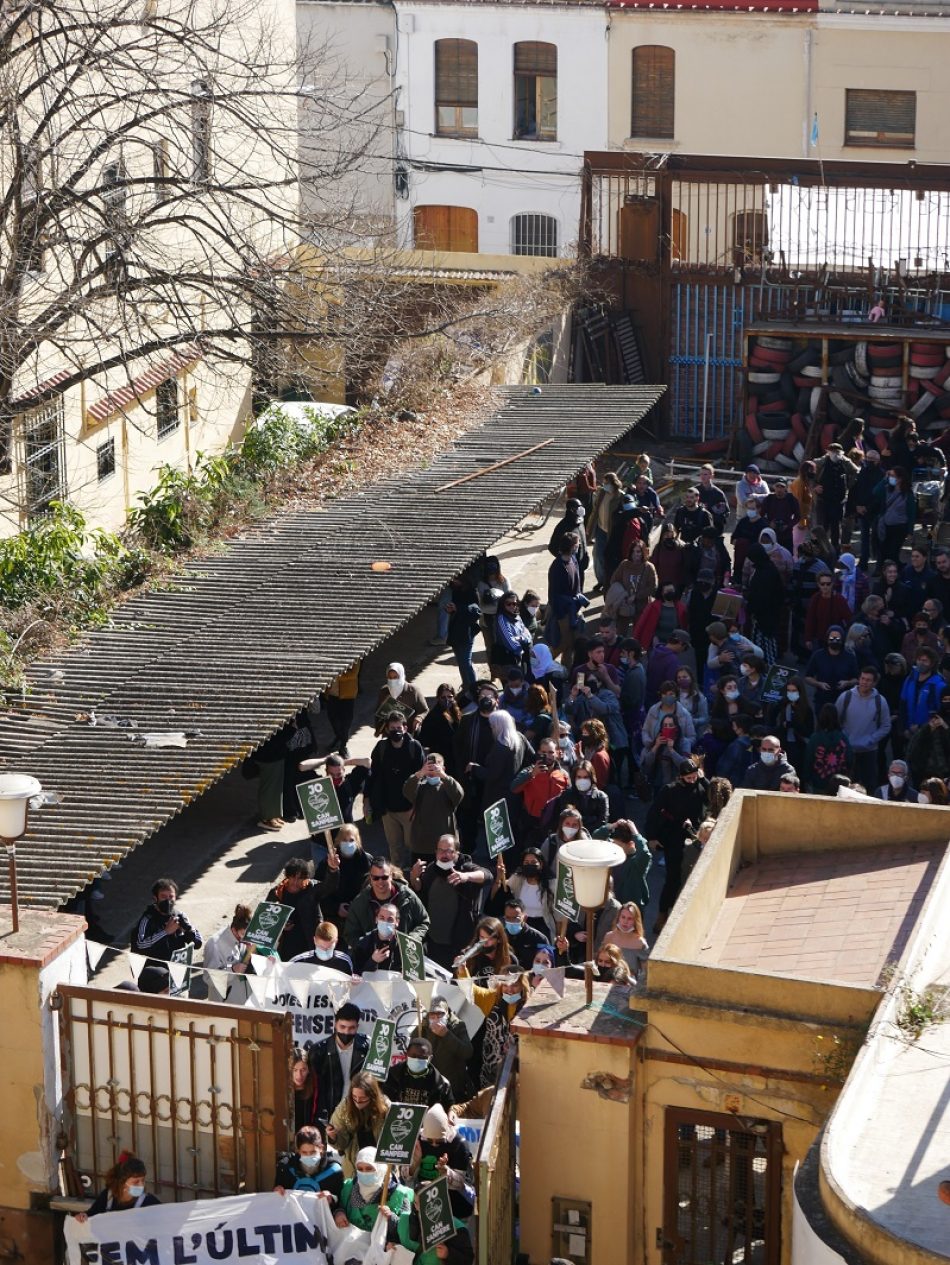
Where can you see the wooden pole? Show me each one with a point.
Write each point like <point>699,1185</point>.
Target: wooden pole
<point>14,895</point>
<point>384,1198</point>
<point>588,961</point>
<point>496,465</point>
<point>328,839</point>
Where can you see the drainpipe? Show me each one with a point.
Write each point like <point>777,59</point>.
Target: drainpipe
<point>807,52</point>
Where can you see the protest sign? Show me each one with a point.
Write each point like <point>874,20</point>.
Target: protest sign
<point>565,902</point>
<point>498,828</point>
<point>435,1213</point>
<point>319,805</point>
<point>183,956</point>
<point>399,1132</point>
<point>413,959</point>
<point>380,1049</point>
<point>776,680</point>
<point>292,1229</point>
<point>267,923</point>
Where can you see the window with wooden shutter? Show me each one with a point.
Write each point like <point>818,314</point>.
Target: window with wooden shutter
<point>878,119</point>
<point>535,91</point>
<point>448,228</point>
<point>654,90</point>
<point>456,88</point>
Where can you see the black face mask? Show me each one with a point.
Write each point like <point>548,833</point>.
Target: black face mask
<point>486,705</point>
<point>396,738</point>
<point>165,906</point>
<point>346,1038</point>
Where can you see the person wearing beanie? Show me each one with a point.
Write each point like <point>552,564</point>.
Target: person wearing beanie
<point>442,1152</point>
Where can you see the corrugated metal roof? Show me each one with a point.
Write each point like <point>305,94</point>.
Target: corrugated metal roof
<point>247,636</point>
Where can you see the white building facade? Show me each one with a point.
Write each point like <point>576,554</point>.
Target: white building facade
<point>495,105</point>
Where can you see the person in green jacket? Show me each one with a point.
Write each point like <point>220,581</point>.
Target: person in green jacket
<point>359,1202</point>
<point>630,878</point>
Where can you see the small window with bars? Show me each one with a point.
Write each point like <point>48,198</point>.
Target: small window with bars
<point>201,130</point>
<point>456,88</point>
<point>534,235</point>
<point>877,119</point>
<point>105,460</point>
<point>115,193</point>
<point>535,91</point>
<point>43,458</point>
<point>654,91</point>
<point>167,412</point>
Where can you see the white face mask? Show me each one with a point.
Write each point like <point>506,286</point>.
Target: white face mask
<point>731,694</point>
<point>446,865</point>
<point>583,784</point>
<point>923,797</point>
<point>532,610</point>
<point>745,669</point>
<point>570,832</point>
<point>395,687</point>
<point>515,690</point>
<point>325,954</point>
<point>895,780</point>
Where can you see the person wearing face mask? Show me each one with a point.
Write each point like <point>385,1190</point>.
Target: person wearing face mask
<point>834,476</point>
<point>661,618</point>
<point>358,1119</point>
<point>440,727</point>
<point>348,785</point>
<point>678,808</point>
<point>451,1046</point>
<point>735,760</point>
<point>861,502</point>
<point>499,1004</point>
<point>545,960</point>
<point>472,744</point>
<point>793,720</point>
<point>511,643</point>
<point>669,705</point>
<point>326,951</point>
<point>606,502</point>
<point>162,929</point>
<point>124,1190</point>
<point>921,692</point>
<point>765,599</point>
<point>297,889</point>
<point>570,826</point>
<point>566,597</point>
<point>435,797</point>
<point>487,953</point>
<point>669,558</point>
<point>336,1059</point>
<point>708,553</point>
<point>780,509</point>
<point>360,1202</point>
<point>766,773</point>
<point>928,751</point>
<point>397,690</point>
<point>897,789</point>
<point>308,1168</point>
<point>832,669</point>
<point>584,795</point>
<point>224,950</point>
<point>450,887</point>
<point>395,758</point>
<point>539,786</point>
<point>441,1152</point>
<point>353,868</point>
<point>752,670</point>
<point>727,647</point>
<point>633,585</point>
<point>750,487</point>
<point>825,609</point>
<point>726,705</point>
<point>934,791</point>
<point>745,534</point>
<point>378,950</point>
<point>896,509</point>
<point>529,608</point>
<point>527,905</point>
<point>921,634</point>
<point>514,697</point>
<point>572,522</point>
<point>416,1080</point>
<point>383,887</point>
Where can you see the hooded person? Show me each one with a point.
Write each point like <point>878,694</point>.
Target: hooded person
<point>397,691</point>
<point>573,520</point>
<point>442,1152</point>
<point>852,582</point>
<point>780,558</point>
<point>359,1202</point>
<point>543,667</point>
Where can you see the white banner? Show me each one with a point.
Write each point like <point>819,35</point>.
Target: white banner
<point>268,1229</point>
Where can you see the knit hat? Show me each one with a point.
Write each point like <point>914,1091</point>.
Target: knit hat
<point>435,1124</point>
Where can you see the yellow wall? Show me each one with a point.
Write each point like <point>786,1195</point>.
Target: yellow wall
<point>575,1144</point>
<point>21,1083</point>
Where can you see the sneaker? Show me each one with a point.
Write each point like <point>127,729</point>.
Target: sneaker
<point>268,825</point>
<point>438,641</point>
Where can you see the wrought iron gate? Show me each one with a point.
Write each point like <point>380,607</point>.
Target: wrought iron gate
<point>722,1190</point>
<point>200,1091</point>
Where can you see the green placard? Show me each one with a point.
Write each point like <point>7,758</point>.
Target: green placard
<point>565,904</point>
<point>435,1213</point>
<point>267,923</point>
<point>498,828</point>
<point>776,679</point>
<point>186,955</point>
<point>391,707</point>
<point>380,1049</point>
<point>412,957</point>
<point>399,1132</point>
<point>319,805</point>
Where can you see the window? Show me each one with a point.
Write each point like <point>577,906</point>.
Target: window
<point>167,415</point>
<point>105,459</point>
<point>456,88</point>
<point>654,83</point>
<point>201,130</point>
<point>534,235</point>
<point>452,228</point>
<point>880,120</point>
<point>115,194</point>
<point>161,169</point>
<point>43,457</point>
<point>535,91</point>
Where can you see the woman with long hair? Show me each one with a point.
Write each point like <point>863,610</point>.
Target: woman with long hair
<point>124,1189</point>
<point>593,746</point>
<point>585,795</point>
<point>627,935</point>
<point>538,720</point>
<point>532,883</point>
<point>897,511</point>
<point>493,954</point>
<point>632,587</point>
<point>693,699</point>
<point>437,732</point>
<point>305,1090</point>
<point>570,826</point>
<point>358,1119</point>
<point>792,720</point>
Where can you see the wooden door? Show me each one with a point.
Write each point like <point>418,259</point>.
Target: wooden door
<point>450,228</point>
<point>640,230</point>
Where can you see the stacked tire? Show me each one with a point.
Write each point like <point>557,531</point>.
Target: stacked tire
<point>773,425</point>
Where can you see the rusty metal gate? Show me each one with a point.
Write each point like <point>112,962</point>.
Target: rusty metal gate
<point>722,1190</point>
<point>201,1092</point>
<point>495,1171</point>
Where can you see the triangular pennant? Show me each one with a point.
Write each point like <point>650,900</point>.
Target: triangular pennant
<point>217,985</point>
<point>384,991</point>
<point>424,989</point>
<point>177,970</point>
<point>263,963</point>
<point>467,986</point>
<point>94,954</point>
<point>301,990</point>
<point>339,991</point>
<point>257,988</point>
<point>556,979</point>
<point>136,965</point>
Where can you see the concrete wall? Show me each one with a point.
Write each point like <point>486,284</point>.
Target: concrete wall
<point>495,174</point>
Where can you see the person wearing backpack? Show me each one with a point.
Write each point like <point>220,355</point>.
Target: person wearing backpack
<point>827,753</point>
<point>865,719</point>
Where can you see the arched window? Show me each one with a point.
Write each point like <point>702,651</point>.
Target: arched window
<point>534,235</point>
<point>456,88</point>
<point>535,91</point>
<point>654,90</point>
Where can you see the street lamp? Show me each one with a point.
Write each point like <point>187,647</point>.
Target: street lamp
<point>16,791</point>
<point>590,862</point>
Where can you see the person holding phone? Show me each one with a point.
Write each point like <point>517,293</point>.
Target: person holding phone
<point>434,796</point>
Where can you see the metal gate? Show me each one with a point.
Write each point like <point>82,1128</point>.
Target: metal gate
<point>722,1190</point>
<point>201,1092</point>
<point>495,1171</point>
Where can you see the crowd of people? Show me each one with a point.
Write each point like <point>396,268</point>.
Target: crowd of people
<point>742,643</point>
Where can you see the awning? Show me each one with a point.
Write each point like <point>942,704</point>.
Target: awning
<point>251,634</point>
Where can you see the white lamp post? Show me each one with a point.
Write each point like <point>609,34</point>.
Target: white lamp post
<point>16,791</point>
<point>590,862</point>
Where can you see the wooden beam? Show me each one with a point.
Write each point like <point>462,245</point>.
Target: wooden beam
<point>496,465</point>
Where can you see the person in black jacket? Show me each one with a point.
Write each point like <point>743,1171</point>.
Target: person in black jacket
<point>473,741</point>
<point>395,758</point>
<point>450,888</point>
<point>765,601</point>
<point>307,1166</point>
<point>677,810</point>
<point>336,1060</point>
<point>298,890</point>
<point>162,929</point>
<point>416,1080</point>
<point>464,615</point>
<point>573,521</point>
<point>379,949</point>
<point>124,1190</point>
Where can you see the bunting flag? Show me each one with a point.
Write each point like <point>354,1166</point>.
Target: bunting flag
<point>257,989</point>
<point>423,989</point>
<point>95,953</point>
<point>136,965</point>
<point>178,971</point>
<point>556,979</point>
<point>217,985</point>
<point>466,987</point>
<point>339,991</point>
<point>383,989</point>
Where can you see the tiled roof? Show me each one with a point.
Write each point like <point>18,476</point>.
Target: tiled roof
<point>115,401</point>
